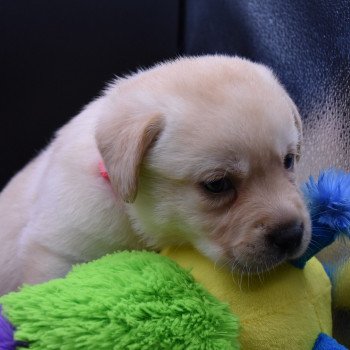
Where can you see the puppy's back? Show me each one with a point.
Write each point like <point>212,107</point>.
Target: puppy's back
<point>16,201</point>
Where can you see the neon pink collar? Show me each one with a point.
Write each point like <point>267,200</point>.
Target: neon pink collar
<point>103,170</point>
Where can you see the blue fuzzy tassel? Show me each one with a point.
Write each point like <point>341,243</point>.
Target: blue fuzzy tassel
<point>328,200</point>
<point>325,342</point>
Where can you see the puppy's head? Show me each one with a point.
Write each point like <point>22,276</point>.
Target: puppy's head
<point>205,150</point>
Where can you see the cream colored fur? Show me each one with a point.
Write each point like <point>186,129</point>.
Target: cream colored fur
<point>161,133</point>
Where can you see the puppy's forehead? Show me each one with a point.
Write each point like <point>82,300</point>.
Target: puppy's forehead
<point>191,154</point>
<point>238,124</point>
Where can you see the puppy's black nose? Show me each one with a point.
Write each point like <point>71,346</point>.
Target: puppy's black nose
<point>287,238</point>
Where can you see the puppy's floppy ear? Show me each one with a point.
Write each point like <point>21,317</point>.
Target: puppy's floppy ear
<point>123,143</point>
<point>298,124</point>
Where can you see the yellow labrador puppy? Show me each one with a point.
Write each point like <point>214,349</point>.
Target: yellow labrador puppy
<point>198,151</point>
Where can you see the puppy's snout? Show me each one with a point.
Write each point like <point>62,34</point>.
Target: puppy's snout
<point>287,238</point>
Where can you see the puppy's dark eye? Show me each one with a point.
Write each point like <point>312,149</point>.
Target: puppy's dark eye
<point>218,186</point>
<point>288,161</point>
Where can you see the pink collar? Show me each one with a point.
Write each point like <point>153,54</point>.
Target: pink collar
<point>103,170</point>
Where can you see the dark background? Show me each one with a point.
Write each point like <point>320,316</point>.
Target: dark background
<point>57,55</point>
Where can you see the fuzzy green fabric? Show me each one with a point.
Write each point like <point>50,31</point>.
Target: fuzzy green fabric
<point>128,300</point>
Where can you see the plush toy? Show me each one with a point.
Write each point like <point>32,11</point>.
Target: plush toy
<point>180,300</point>
<point>128,300</point>
<point>342,287</point>
<point>285,309</point>
<point>328,201</point>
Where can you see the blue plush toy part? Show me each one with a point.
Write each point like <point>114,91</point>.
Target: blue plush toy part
<point>328,201</point>
<point>325,342</point>
<point>7,341</point>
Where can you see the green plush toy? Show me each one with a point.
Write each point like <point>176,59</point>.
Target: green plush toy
<point>129,300</point>
<point>180,300</point>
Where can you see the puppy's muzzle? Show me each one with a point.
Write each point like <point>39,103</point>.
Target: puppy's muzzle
<point>286,238</point>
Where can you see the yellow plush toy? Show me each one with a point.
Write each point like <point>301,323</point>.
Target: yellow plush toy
<point>342,287</point>
<point>284,309</point>
<point>290,307</point>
